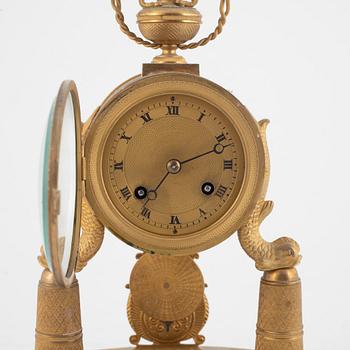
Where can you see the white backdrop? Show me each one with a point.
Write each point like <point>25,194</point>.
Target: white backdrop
<point>286,60</point>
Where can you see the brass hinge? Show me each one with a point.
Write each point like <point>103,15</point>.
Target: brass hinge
<point>83,175</point>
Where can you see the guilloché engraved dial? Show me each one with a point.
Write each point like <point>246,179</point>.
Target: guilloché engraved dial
<point>173,164</point>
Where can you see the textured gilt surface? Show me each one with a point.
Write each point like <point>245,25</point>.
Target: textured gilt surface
<point>279,324</point>
<point>77,345</point>
<point>280,308</point>
<point>58,315</point>
<point>161,332</point>
<point>165,287</point>
<point>283,252</point>
<point>92,237</point>
<point>169,33</point>
<point>58,310</point>
<point>275,344</point>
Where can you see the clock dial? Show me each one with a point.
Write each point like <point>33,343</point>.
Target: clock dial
<point>173,164</point>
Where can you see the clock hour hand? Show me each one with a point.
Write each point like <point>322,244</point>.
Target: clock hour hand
<point>152,194</point>
<point>161,181</point>
<point>218,149</point>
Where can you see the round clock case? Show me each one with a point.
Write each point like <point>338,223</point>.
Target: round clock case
<point>174,163</point>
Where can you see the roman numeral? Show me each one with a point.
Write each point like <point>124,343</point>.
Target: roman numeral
<point>146,212</point>
<point>202,212</point>
<point>173,110</point>
<point>126,193</point>
<point>174,220</point>
<point>228,164</point>
<point>118,166</point>
<point>201,117</point>
<point>146,118</point>
<point>221,191</point>
<point>125,137</point>
<point>221,137</point>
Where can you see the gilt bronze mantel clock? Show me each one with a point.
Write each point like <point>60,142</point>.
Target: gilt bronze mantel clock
<point>172,164</point>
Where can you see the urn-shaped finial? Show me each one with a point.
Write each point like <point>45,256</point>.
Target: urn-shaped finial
<point>169,23</point>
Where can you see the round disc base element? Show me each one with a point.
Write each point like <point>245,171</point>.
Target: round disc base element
<point>167,332</point>
<point>166,288</point>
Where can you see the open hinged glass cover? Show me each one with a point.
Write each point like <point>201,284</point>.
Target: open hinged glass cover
<point>62,185</point>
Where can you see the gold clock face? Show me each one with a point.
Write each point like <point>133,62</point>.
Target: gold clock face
<point>174,163</point>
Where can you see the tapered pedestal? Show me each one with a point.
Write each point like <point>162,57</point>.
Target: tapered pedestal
<point>58,325</point>
<point>280,324</point>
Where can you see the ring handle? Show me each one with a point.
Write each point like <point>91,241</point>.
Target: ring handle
<point>117,6</point>
<point>225,6</point>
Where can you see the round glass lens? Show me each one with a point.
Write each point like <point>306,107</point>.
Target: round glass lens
<point>66,185</point>
<point>59,187</point>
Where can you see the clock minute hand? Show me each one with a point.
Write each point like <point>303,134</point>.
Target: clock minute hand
<point>196,157</point>
<point>218,149</point>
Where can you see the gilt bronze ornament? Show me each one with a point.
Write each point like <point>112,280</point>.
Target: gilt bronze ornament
<point>172,164</point>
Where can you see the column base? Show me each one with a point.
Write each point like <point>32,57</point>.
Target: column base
<point>280,316</point>
<point>58,323</point>
<point>175,347</point>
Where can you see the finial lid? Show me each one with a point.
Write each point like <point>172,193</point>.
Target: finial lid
<point>169,23</point>
<point>185,3</point>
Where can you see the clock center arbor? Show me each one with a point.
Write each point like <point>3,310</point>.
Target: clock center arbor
<point>172,164</point>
